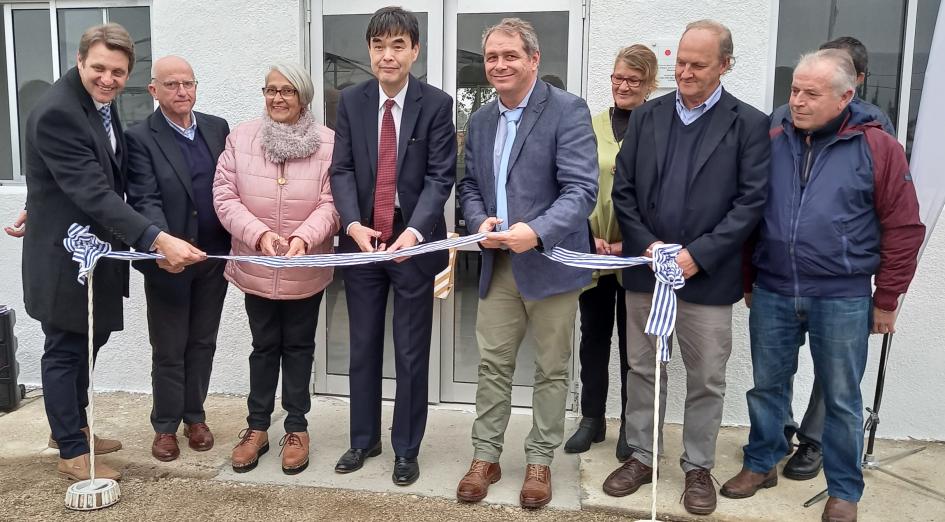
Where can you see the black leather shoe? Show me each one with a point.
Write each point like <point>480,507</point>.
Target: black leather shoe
<point>406,471</point>
<point>805,464</point>
<point>591,429</point>
<point>624,451</point>
<point>354,458</point>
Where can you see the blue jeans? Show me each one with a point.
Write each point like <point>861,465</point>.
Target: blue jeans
<point>838,328</point>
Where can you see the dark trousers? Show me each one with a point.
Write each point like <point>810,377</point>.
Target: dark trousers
<point>283,333</point>
<point>597,326</point>
<point>366,289</point>
<point>65,368</point>
<point>183,319</point>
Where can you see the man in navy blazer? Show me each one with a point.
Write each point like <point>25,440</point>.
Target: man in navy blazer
<point>172,160</point>
<point>693,171</point>
<point>531,182</point>
<point>393,168</point>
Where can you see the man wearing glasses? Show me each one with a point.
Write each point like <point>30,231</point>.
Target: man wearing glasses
<point>172,159</point>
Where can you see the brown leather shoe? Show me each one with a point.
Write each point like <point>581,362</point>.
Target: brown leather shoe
<point>699,496</point>
<point>747,483</point>
<point>252,445</point>
<point>199,436</point>
<point>536,490</point>
<point>475,484</point>
<point>102,446</point>
<point>628,478</point>
<point>294,452</point>
<point>78,468</point>
<point>164,447</point>
<point>839,510</point>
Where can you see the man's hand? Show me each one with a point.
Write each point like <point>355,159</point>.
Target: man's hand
<point>297,247</point>
<point>616,249</point>
<point>883,321</point>
<point>177,252</point>
<point>18,229</point>
<point>162,263</point>
<point>519,238</point>
<point>272,244</point>
<point>364,237</point>
<point>748,300</point>
<point>688,265</point>
<point>407,239</point>
<point>602,247</point>
<point>488,226</point>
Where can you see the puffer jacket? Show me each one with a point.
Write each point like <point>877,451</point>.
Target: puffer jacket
<point>249,202</point>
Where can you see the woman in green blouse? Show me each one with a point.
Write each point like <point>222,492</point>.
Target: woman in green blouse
<point>632,81</point>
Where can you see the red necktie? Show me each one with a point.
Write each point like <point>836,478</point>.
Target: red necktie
<point>386,183</point>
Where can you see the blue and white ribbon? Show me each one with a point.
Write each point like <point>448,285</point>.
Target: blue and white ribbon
<point>87,250</point>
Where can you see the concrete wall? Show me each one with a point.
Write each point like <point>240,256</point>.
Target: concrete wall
<point>230,62</point>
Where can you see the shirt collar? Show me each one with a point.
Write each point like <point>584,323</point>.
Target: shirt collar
<point>98,106</point>
<point>521,104</point>
<point>702,107</point>
<point>189,131</point>
<point>398,98</point>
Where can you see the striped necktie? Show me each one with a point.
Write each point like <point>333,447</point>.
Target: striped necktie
<point>106,112</point>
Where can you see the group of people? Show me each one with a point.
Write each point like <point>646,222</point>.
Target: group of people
<point>795,213</point>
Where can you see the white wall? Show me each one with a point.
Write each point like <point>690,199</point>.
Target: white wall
<point>913,404</point>
<point>230,60</point>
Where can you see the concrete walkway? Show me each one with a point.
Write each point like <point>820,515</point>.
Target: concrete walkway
<point>446,454</point>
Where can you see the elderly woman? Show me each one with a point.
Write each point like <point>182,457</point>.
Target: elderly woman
<point>272,193</point>
<point>632,81</point>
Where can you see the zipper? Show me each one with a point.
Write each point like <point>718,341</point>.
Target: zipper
<point>279,194</point>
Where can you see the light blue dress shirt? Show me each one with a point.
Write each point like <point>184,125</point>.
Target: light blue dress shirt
<point>687,115</point>
<point>190,132</point>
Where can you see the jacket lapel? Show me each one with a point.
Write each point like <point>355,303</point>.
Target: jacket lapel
<point>408,118</point>
<point>536,104</point>
<point>164,136</point>
<point>212,134</point>
<point>722,118</point>
<point>663,115</point>
<point>369,119</point>
<point>487,151</point>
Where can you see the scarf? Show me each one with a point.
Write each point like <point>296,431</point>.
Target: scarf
<point>283,141</point>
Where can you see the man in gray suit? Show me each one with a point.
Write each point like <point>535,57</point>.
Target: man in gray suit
<point>531,182</point>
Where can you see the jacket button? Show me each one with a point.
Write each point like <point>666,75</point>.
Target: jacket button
<point>491,211</point>
<point>193,240</point>
<point>194,213</point>
<point>652,206</point>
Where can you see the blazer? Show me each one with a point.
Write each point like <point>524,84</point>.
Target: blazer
<point>74,176</point>
<point>426,162</point>
<point>723,201</point>
<point>159,180</point>
<point>551,186</point>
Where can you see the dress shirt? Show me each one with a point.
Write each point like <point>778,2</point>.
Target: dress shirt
<point>111,135</point>
<point>687,115</point>
<point>189,132</point>
<point>500,132</point>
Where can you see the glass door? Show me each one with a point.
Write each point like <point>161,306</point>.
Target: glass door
<point>559,24</point>
<point>339,60</point>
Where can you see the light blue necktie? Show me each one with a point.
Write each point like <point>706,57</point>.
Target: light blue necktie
<point>502,202</point>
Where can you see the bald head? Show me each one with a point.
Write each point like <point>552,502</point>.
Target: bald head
<point>174,87</point>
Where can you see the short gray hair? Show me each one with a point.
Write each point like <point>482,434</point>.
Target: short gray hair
<point>299,77</point>
<point>844,73</point>
<point>513,27</point>
<point>726,46</point>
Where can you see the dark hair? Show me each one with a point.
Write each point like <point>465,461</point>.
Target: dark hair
<point>394,21</point>
<point>857,50</point>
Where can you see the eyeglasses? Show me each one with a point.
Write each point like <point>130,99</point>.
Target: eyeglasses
<point>633,83</point>
<point>271,92</point>
<point>172,85</point>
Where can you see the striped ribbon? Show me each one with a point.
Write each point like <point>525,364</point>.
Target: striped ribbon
<point>87,250</point>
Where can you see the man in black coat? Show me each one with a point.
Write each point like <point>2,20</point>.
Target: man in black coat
<point>75,173</point>
<point>172,158</point>
<point>693,171</point>
<point>393,167</point>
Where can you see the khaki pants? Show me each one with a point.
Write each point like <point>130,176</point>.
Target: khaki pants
<point>503,318</point>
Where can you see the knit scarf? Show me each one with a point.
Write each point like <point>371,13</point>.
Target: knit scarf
<point>283,141</point>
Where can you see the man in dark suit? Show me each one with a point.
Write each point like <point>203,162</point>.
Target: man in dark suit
<point>172,157</point>
<point>693,171</point>
<point>531,181</point>
<point>76,160</point>
<point>393,168</point>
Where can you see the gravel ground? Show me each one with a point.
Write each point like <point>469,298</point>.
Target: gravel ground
<point>31,490</point>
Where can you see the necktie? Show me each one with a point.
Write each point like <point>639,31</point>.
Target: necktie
<point>386,182</point>
<point>106,112</point>
<point>502,203</point>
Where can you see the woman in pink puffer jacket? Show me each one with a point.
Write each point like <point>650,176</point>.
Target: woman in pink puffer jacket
<point>272,193</point>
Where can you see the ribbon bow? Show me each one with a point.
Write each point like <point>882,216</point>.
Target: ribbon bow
<point>669,278</point>
<point>86,249</point>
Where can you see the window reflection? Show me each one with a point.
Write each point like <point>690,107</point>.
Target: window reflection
<point>32,50</point>
<point>6,154</point>
<point>927,12</point>
<point>135,103</point>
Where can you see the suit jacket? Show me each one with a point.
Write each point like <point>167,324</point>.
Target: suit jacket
<point>723,201</point>
<point>159,180</point>
<point>73,176</point>
<point>426,162</point>
<point>551,186</point>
